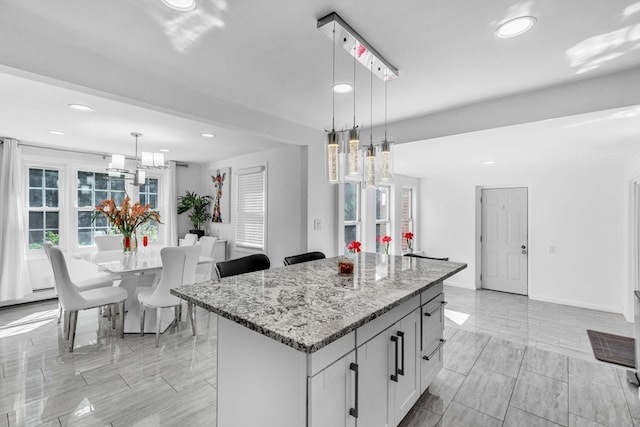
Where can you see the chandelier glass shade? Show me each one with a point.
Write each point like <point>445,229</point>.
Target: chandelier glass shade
<point>148,160</point>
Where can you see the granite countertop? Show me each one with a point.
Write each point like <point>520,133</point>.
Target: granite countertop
<point>307,306</point>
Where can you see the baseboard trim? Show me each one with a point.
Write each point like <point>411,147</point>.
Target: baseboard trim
<point>580,304</point>
<point>460,285</point>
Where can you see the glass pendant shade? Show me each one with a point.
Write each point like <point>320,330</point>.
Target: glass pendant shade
<point>333,158</point>
<point>370,166</point>
<point>141,177</point>
<point>354,152</point>
<point>386,162</point>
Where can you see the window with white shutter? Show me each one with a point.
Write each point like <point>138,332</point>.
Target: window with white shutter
<point>251,208</point>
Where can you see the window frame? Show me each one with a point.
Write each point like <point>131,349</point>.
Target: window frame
<point>27,209</point>
<point>350,223</point>
<point>251,170</point>
<point>410,220</point>
<point>387,222</point>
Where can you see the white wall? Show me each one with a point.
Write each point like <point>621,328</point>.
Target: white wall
<point>631,177</point>
<point>576,209</point>
<point>286,201</point>
<point>189,179</point>
<point>321,203</point>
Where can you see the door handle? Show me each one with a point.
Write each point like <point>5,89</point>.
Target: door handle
<point>394,377</point>
<point>442,341</point>
<point>401,370</point>
<point>354,411</point>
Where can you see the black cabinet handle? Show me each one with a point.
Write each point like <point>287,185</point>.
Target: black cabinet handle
<point>401,335</point>
<point>442,304</point>
<point>394,377</point>
<point>442,341</point>
<point>354,411</point>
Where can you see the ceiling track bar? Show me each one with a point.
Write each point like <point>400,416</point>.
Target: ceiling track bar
<point>68,150</point>
<point>354,44</point>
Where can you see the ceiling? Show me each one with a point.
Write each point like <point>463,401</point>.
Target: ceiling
<point>258,73</point>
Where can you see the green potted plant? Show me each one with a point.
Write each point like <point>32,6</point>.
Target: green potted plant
<point>198,208</point>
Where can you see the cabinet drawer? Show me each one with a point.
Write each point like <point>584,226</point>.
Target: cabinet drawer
<point>430,368</point>
<point>433,313</point>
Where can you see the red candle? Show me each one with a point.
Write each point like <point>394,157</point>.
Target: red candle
<point>145,240</point>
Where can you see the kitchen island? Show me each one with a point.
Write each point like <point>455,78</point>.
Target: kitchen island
<point>303,345</point>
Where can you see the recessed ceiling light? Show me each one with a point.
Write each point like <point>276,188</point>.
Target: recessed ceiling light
<point>208,135</point>
<point>181,5</point>
<point>515,27</point>
<point>164,150</point>
<point>56,132</point>
<point>80,107</point>
<point>342,87</point>
<point>489,162</point>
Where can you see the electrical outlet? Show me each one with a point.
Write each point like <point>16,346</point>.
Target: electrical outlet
<point>316,224</point>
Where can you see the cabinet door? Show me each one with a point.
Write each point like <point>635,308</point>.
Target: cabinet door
<point>332,394</point>
<point>406,391</point>
<point>373,366</point>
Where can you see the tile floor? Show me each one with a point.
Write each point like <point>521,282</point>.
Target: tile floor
<point>508,361</point>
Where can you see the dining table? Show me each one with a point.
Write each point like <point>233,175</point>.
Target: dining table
<point>136,270</point>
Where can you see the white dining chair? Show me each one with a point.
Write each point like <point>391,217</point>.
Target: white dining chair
<point>74,299</point>
<point>203,272</point>
<point>109,242</point>
<point>189,240</point>
<point>97,280</point>
<point>178,265</point>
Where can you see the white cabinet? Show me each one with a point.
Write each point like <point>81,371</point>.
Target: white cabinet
<point>405,389</point>
<point>397,356</point>
<point>332,394</point>
<point>373,375</point>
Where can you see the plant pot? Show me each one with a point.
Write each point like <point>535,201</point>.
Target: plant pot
<point>199,233</point>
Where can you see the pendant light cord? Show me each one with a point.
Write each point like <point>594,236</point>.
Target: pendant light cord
<point>371,110</point>
<point>355,52</point>
<point>333,92</point>
<point>385,107</point>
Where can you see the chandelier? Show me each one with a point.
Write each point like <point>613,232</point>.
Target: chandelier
<point>344,155</point>
<point>148,161</point>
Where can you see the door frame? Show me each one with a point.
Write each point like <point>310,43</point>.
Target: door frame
<point>478,261</point>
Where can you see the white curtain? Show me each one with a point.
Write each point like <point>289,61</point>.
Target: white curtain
<point>15,282</point>
<point>170,215</point>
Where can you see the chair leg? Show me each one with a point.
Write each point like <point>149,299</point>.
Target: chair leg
<point>73,321</point>
<point>142,319</point>
<point>158,316</point>
<point>59,312</point>
<point>122,319</point>
<point>113,309</point>
<point>67,318</point>
<point>191,312</point>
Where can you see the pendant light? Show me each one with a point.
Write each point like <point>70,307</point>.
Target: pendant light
<point>139,175</point>
<point>370,152</point>
<point>333,142</point>
<point>353,154</point>
<point>116,166</point>
<point>386,162</point>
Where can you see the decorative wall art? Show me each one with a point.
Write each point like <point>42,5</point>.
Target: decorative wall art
<point>221,181</point>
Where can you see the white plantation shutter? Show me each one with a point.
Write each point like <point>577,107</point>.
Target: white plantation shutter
<point>251,208</point>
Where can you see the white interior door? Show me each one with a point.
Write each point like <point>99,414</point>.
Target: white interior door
<point>504,238</point>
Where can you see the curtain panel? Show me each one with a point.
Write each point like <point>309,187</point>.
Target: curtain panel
<point>15,282</point>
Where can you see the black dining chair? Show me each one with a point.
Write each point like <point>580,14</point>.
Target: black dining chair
<point>308,256</point>
<point>242,265</point>
<point>425,257</point>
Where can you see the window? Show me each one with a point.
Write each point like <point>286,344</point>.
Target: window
<point>351,212</point>
<point>149,195</point>
<point>407,215</point>
<point>383,218</point>
<point>251,211</point>
<point>92,188</point>
<point>44,207</point>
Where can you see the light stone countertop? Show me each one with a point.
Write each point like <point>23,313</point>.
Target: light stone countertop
<point>309,305</point>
